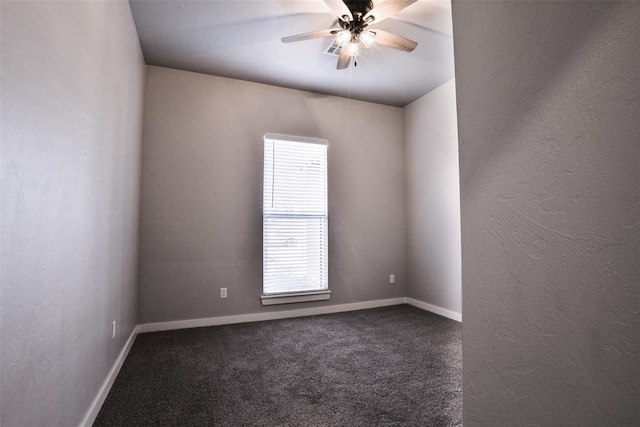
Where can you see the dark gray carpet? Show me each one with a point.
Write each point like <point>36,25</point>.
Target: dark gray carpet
<point>391,366</point>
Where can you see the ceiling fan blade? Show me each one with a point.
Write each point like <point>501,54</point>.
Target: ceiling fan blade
<point>394,40</point>
<point>339,8</point>
<point>386,9</point>
<point>308,36</point>
<point>344,59</point>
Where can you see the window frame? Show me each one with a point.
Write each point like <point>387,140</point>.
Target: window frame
<point>286,297</point>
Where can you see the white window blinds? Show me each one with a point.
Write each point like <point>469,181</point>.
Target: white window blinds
<point>294,215</point>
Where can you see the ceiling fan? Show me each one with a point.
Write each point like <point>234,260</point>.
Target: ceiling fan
<point>354,18</point>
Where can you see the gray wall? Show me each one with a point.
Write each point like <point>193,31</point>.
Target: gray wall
<point>549,122</point>
<point>433,199</point>
<point>201,212</point>
<point>72,83</point>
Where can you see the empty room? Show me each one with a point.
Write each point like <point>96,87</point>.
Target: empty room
<point>320,213</point>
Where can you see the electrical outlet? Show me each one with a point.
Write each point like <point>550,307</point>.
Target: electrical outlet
<point>223,292</point>
<point>392,278</point>
<point>113,329</point>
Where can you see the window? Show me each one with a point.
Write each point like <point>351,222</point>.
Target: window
<point>294,218</point>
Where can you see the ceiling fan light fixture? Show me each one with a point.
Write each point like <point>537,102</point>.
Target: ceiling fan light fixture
<point>343,37</point>
<point>353,49</point>
<point>368,38</point>
<point>354,16</point>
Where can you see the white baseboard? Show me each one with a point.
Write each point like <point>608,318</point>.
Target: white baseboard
<point>435,309</point>
<point>94,409</point>
<point>274,315</point>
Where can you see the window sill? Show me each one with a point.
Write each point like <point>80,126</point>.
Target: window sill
<point>297,297</point>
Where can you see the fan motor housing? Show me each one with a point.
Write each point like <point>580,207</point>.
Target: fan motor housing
<point>359,6</point>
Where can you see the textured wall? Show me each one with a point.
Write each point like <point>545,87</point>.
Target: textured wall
<point>549,123</point>
<point>433,199</point>
<point>201,211</point>
<point>72,82</point>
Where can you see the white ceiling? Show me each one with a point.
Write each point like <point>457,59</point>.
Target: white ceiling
<point>241,39</point>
